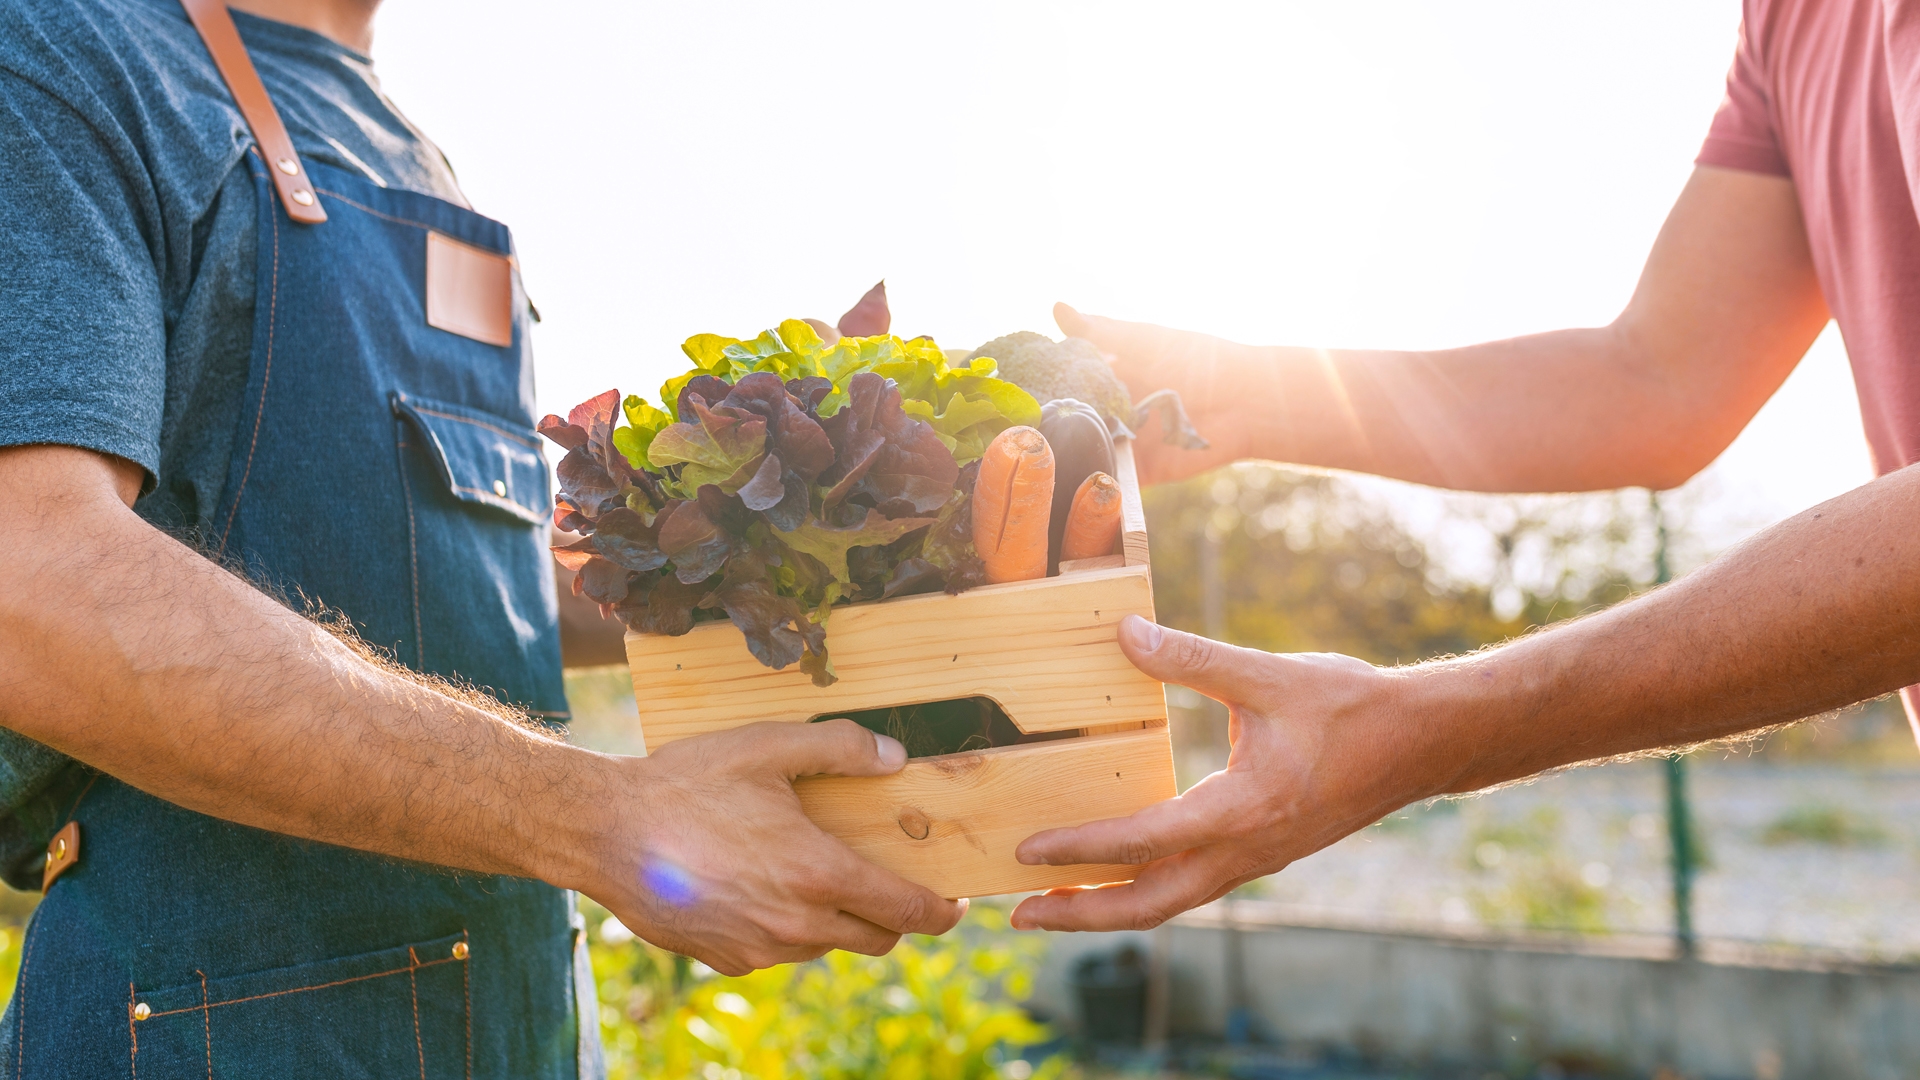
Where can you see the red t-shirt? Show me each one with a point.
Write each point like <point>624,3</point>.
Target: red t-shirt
<point>1827,92</point>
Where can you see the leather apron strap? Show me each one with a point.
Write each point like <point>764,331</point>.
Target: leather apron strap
<point>215,24</point>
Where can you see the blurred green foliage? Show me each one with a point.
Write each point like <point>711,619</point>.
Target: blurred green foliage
<point>1830,825</point>
<point>933,1009</point>
<point>1312,562</point>
<point>1307,568</point>
<point>1332,562</point>
<point>1871,733</point>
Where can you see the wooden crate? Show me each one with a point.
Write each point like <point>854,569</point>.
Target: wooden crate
<point>1044,650</point>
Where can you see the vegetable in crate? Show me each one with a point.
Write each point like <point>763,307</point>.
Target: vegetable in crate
<point>1012,503</point>
<point>1093,520</point>
<point>1082,446</point>
<point>1073,368</point>
<point>778,477</point>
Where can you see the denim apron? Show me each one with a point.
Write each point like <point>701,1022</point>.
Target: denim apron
<point>388,470</point>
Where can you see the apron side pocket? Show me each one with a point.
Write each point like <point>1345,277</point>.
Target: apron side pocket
<point>398,1012</point>
<point>485,459</point>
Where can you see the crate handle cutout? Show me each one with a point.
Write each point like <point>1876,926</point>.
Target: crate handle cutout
<point>953,726</point>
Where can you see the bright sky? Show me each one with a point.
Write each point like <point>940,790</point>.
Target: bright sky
<point>1356,174</point>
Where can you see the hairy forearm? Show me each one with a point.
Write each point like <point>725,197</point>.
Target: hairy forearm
<point>1570,410</point>
<point>1473,418</point>
<point>1819,612</point>
<point>136,655</point>
<point>1816,613</point>
<point>1727,304</point>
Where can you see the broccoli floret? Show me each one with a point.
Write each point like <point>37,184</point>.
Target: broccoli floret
<point>1051,370</point>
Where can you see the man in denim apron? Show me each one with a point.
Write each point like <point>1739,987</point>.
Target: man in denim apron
<point>243,823</point>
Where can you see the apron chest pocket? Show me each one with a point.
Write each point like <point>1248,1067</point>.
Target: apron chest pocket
<point>399,1012</point>
<point>486,460</point>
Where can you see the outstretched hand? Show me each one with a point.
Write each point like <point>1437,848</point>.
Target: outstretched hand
<point>733,873</point>
<point>1319,750</point>
<point>1226,388</point>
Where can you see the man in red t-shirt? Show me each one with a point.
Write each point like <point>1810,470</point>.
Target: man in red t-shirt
<point>1801,208</point>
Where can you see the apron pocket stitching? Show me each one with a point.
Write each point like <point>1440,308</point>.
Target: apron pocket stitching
<point>209,1006</point>
<point>413,546</point>
<point>20,998</point>
<point>485,459</point>
<point>413,987</point>
<point>364,208</point>
<point>466,987</point>
<point>531,444</point>
<point>266,376</point>
<point>206,1021</point>
<point>207,1003</point>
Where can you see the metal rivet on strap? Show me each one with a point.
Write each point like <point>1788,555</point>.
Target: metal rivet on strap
<point>289,166</point>
<point>500,488</point>
<point>142,1011</point>
<point>303,197</point>
<point>58,849</point>
<point>459,950</point>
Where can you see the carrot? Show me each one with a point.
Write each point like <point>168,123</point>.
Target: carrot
<point>1093,525</point>
<point>1012,501</point>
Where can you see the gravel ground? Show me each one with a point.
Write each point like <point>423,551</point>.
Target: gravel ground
<point>1820,856</point>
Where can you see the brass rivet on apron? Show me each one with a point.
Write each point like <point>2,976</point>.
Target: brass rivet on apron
<point>58,849</point>
<point>500,488</point>
<point>288,166</point>
<point>142,1011</point>
<point>459,950</point>
<point>303,197</point>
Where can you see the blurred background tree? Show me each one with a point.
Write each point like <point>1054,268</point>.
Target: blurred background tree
<point>1305,566</point>
<point>1319,562</point>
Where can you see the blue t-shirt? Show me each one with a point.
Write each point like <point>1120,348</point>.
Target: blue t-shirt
<point>127,241</point>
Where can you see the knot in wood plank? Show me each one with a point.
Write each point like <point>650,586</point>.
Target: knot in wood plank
<point>915,824</point>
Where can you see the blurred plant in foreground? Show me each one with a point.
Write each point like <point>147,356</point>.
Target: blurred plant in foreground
<point>11,937</point>
<point>934,1009</point>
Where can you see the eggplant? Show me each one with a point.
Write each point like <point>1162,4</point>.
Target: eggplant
<point>1082,446</point>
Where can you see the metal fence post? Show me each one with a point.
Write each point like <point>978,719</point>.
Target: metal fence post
<point>1680,832</point>
<point>1213,618</point>
<point>1679,815</point>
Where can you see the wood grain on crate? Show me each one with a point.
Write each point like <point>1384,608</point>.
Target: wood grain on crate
<point>951,823</point>
<point>1098,562</point>
<point>1044,650</point>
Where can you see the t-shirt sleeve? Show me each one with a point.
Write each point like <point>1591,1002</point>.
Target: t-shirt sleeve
<point>82,330</point>
<point>1742,135</point>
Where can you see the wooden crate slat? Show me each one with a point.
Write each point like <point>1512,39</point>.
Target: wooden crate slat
<point>952,823</point>
<point>1098,562</point>
<point>1044,650</point>
<point>1133,513</point>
